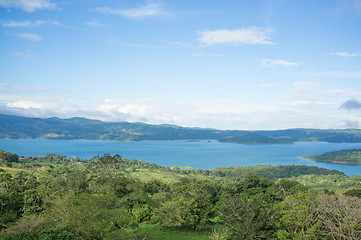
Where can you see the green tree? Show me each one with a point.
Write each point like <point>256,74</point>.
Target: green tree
<point>89,216</point>
<point>190,204</point>
<point>298,218</point>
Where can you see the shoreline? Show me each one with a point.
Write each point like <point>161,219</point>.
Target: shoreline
<point>334,162</point>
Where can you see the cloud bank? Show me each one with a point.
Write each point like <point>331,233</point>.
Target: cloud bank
<point>28,5</point>
<point>30,36</point>
<point>21,24</point>
<point>148,10</point>
<point>277,62</point>
<point>243,36</point>
<point>345,54</point>
<point>352,122</point>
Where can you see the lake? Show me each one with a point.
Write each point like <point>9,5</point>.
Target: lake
<point>200,155</point>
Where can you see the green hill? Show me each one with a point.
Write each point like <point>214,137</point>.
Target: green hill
<point>348,156</point>
<point>108,197</point>
<point>16,127</point>
<point>254,138</point>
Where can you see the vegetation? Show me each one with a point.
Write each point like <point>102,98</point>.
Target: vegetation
<point>253,138</point>
<point>108,197</point>
<point>15,127</point>
<point>348,156</point>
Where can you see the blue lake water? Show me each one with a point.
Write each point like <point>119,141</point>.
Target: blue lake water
<point>201,155</point>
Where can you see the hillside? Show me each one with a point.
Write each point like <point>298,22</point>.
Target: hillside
<point>108,197</point>
<point>348,156</point>
<point>16,127</point>
<point>254,138</point>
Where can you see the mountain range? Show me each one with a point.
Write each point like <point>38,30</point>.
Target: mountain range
<point>18,127</point>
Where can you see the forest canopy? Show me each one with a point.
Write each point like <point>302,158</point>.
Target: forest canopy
<point>348,156</point>
<point>109,197</point>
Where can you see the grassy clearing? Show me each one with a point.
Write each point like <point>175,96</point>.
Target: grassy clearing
<point>165,176</point>
<point>12,171</point>
<point>182,167</point>
<point>157,232</point>
<point>146,175</point>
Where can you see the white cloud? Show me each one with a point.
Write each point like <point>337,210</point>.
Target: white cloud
<point>50,106</point>
<point>197,113</point>
<point>277,62</point>
<point>345,54</point>
<point>304,89</point>
<point>30,36</point>
<point>304,103</point>
<point>332,74</point>
<point>28,5</point>
<point>243,36</point>
<point>341,93</point>
<point>352,122</point>
<point>303,84</point>
<point>20,24</point>
<point>94,23</point>
<point>23,24</point>
<point>21,54</point>
<point>26,104</point>
<point>148,10</point>
<point>112,110</point>
<point>4,86</point>
<point>215,113</point>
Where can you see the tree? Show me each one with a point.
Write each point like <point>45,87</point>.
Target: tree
<point>298,218</point>
<point>246,210</point>
<point>340,216</point>
<point>89,216</point>
<point>190,204</point>
<point>110,165</point>
<point>8,157</point>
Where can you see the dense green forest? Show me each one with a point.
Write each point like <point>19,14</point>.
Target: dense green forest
<point>109,197</point>
<point>348,156</point>
<point>16,127</point>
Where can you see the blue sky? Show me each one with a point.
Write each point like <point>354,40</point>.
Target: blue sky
<point>235,64</point>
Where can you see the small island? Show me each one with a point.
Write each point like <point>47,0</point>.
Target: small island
<point>348,156</point>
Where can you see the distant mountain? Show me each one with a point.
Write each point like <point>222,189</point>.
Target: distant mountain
<point>17,127</point>
<point>254,138</point>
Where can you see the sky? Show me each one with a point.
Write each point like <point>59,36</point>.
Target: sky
<point>235,64</point>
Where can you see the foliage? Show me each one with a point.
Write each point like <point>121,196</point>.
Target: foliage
<point>191,204</point>
<point>353,192</point>
<point>268,171</point>
<point>340,216</point>
<point>103,198</point>
<point>246,210</point>
<point>7,157</point>
<point>348,156</point>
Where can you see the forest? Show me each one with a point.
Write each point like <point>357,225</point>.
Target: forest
<point>109,197</point>
<point>347,156</point>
